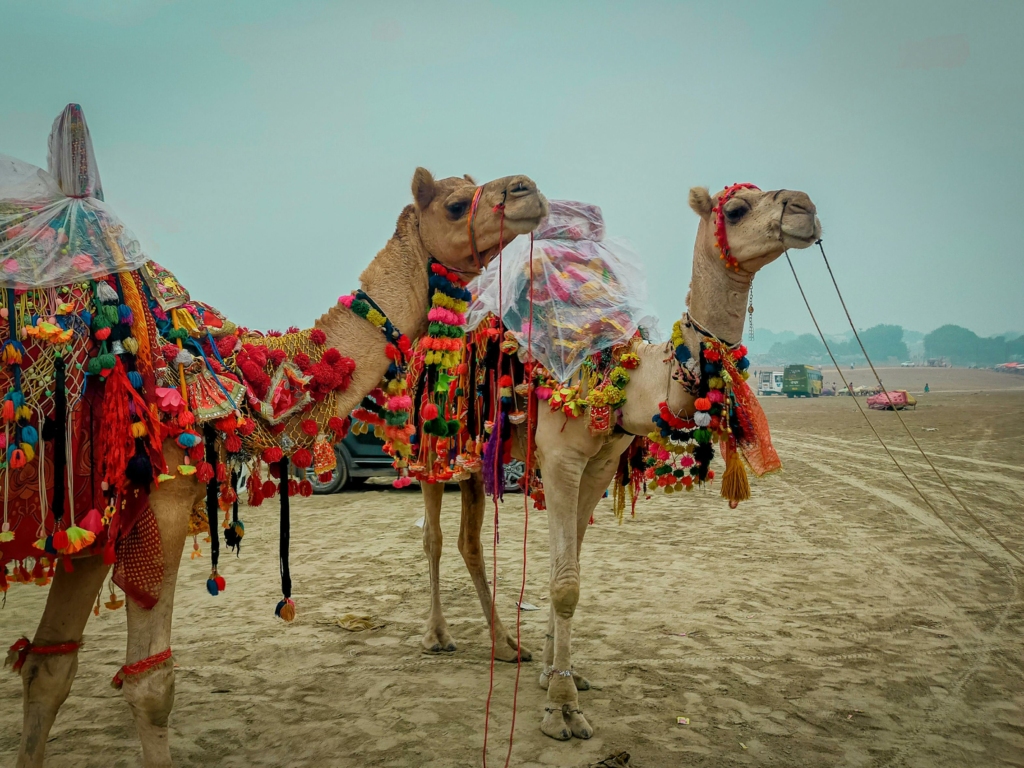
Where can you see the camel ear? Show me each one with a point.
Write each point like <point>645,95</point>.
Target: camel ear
<point>470,179</point>
<point>701,202</point>
<point>422,188</point>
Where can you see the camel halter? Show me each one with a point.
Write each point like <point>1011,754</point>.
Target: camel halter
<point>473,206</point>
<point>721,238</point>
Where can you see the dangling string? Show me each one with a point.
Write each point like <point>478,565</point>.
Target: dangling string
<point>526,510</point>
<point>750,310</point>
<point>495,468</point>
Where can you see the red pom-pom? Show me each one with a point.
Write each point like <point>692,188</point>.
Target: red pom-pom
<point>269,489</point>
<point>302,458</point>
<point>305,488</point>
<point>273,455</point>
<point>404,344</point>
<point>275,470</point>
<point>302,360</point>
<point>102,334</point>
<point>204,472</point>
<point>169,352</point>
<point>278,356</point>
<point>219,581</point>
<point>247,427</point>
<point>505,381</point>
<point>222,473</point>
<point>331,356</point>
<point>428,412</point>
<point>325,477</point>
<point>233,443</point>
<point>317,336</point>
<point>186,419</point>
<point>337,424</point>
<point>711,474</point>
<point>310,427</point>
<point>197,452</point>
<point>60,540</point>
<point>277,429</point>
<point>292,329</point>
<point>293,487</point>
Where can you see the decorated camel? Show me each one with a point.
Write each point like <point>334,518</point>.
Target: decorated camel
<point>108,408</point>
<point>693,391</point>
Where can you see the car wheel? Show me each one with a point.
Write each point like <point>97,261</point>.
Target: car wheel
<point>339,478</point>
<point>514,471</point>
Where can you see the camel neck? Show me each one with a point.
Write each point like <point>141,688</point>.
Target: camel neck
<point>397,282</point>
<point>718,296</point>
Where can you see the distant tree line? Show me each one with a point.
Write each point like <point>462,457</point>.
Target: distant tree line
<point>885,342</point>
<point>963,347</point>
<point>882,342</point>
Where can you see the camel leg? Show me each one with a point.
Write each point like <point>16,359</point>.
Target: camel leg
<point>150,695</point>
<point>505,648</point>
<point>46,679</point>
<point>437,638</point>
<point>563,473</point>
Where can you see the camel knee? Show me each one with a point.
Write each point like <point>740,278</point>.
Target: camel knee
<point>46,679</point>
<point>151,696</point>
<point>432,540</point>
<point>470,549</point>
<point>565,594</point>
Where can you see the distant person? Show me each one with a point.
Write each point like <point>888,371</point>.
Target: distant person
<point>926,390</point>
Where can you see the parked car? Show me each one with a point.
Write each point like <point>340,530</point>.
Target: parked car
<point>361,457</point>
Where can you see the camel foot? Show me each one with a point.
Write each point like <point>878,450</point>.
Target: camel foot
<point>506,650</point>
<point>438,641</point>
<point>555,725</point>
<point>578,724</point>
<point>582,684</point>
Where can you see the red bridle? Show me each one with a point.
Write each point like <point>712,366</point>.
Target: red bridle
<point>500,207</point>
<point>721,239</point>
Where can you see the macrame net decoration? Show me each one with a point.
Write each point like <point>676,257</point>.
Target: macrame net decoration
<point>55,228</point>
<point>589,292</point>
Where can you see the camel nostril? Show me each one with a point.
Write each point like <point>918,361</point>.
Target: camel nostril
<point>519,189</point>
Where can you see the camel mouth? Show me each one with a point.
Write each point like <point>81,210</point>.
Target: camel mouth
<point>522,225</point>
<point>801,233</point>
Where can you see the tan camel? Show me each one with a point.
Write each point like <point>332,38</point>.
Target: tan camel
<point>577,467</point>
<point>397,279</point>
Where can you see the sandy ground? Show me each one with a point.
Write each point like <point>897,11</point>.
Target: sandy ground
<point>829,621</point>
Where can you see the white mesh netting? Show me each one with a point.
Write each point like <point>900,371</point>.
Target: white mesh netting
<point>55,228</point>
<point>589,292</point>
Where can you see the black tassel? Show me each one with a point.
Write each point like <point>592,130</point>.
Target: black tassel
<point>211,496</point>
<point>286,608</point>
<point>60,416</point>
<point>139,469</point>
<point>233,533</point>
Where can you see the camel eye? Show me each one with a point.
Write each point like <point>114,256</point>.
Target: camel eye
<point>735,213</point>
<point>456,210</point>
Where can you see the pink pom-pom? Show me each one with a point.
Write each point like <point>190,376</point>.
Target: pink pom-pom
<point>400,403</point>
<point>543,393</point>
<point>346,301</point>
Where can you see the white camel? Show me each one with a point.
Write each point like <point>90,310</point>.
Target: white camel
<point>577,467</point>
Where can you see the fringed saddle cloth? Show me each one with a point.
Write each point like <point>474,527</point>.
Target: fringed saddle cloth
<point>98,374</point>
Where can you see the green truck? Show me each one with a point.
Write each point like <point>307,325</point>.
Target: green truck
<point>801,381</point>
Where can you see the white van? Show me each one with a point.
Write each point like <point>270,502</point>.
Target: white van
<point>769,383</point>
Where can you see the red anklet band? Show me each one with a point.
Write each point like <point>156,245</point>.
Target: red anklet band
<point>18,652</point>
<point>129,670</point>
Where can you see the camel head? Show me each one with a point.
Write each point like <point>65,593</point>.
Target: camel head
<point>460,222</point>
<point>758,226</point>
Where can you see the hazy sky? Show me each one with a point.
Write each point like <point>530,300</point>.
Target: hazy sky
<point>262,150</point>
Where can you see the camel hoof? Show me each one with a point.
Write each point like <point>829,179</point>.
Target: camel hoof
<point>554,725</point>
<point>582,684</point>
<point>434,642</point>
<point>506,651</point>
<point>545,680</point>
<point>579,726</point>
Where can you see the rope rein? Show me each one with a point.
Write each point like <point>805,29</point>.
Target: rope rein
<point>874,431</point>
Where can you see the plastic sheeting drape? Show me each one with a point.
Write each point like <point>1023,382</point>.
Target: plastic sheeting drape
<point>589,292</point>
<point>55,228</point>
